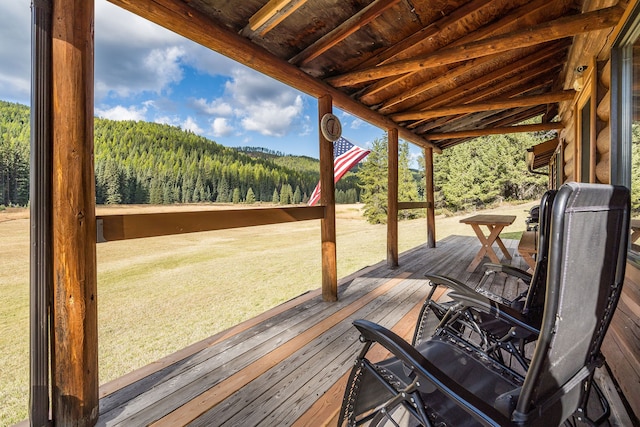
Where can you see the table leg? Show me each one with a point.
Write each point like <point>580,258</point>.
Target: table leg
<point>486,248</point>
<point>503,248</point>
<point>487,245</point>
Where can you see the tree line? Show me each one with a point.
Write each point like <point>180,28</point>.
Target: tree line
<point>140,162</point>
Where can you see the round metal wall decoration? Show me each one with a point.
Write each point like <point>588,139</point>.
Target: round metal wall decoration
<point>330,127</point>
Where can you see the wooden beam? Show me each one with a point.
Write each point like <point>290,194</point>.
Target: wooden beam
<point>414,44</point>
<point>271,14</point>
<point>328,200</point>
<point>412,205</point>
<point>523,67</point>
<point>341,32</point>
<point>392,199</point>
<point>74,312</point>
<point>135,226</point>
<point>548,31</point>
<point>497,131</point>
<point>464,121</point>
<point>510,21</point>
<point>179,17</point>
<point>522,101</point>
<point>429,189</point>
<point>391,105</point>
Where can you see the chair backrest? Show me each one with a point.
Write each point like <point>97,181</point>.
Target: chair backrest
<point>534,302</point>
<point>587,258</point>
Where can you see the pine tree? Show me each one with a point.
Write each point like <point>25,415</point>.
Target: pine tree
<point>251,198</point>
<point>297,196</point>
<point>373,177</point>
<point>235,198</point>
<point>112,184</point>
<point>275,198</point>
<point>407,186</point>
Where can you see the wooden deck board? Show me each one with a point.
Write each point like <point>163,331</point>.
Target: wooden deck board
<point>289,365</point>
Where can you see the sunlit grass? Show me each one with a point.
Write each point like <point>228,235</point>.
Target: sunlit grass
<point>158,295</point>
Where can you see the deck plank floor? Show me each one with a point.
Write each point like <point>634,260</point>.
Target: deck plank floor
<point>288,366</point>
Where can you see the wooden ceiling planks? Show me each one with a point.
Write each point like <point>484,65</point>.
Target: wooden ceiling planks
<point>423,66</point>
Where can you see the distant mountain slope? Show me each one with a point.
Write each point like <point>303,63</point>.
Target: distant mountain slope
<point>141,162</point>
<point>138,161</point>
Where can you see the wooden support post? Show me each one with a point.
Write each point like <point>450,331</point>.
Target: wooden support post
<point>75,323</point>
<point>328,200</point>
<point>392,198</point>
<point>431,209</point>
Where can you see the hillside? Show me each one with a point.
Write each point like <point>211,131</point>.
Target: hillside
<point>141,162</point>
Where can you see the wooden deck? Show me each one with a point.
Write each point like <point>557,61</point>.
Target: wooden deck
<point>289,365</point>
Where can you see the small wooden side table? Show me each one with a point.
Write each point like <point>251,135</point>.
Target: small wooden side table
<point>495,224</point>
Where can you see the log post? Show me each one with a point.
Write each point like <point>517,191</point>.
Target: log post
<point>392,198</point>
<point>328,200</point>
<point>431,209</point>
<point>75,325</point>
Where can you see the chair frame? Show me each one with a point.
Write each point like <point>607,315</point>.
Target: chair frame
<point>539,395</point>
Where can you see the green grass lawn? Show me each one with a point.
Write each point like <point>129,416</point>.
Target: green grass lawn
<point>158,295</point>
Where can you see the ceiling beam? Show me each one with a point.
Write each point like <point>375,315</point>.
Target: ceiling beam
<point>515,68</point>
<point>270,15</point>
<point>179,17</point>
<point>522,101</point>
<point>412,46</point>
<point>548,31</point>
<point>542,127</point>
<point>342,31</point>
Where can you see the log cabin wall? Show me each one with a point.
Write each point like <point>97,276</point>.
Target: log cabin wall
<point>622,342</point>
<point>603,140</point>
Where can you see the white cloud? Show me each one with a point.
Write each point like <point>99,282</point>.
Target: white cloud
<point>209,62</point>
<point>120,112</point>
<point>15,51</point>
<point>167,120</point>
<point>191,125</point>
<point>133,55</point>
<point>217,107</point>
<point>264,105</point>
<point>271,119</point>
<point>115,25</point>
<point>356,124</point>
<point>221,127</point>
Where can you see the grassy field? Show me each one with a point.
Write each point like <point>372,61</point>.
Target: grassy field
<point>158,295</point>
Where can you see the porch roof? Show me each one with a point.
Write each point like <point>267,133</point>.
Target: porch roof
<point>441,72</point>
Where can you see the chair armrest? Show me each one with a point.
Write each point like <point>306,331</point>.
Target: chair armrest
<point>415,361</point>
<point>491,307</point>
<point>510,270</point>
<point>456,285</point>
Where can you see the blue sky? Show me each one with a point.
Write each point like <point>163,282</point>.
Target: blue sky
<point>144,72</point>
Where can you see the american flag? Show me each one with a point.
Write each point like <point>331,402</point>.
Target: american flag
<point>345,156</point>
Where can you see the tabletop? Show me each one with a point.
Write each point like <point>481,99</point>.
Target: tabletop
<point>489,219</point>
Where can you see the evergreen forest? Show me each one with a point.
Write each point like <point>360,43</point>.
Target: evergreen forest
<point>141,162</point>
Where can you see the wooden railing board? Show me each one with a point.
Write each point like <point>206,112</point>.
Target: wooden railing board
<point>134,226</point>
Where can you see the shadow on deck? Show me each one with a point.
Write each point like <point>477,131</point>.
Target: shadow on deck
<point>289,365</point>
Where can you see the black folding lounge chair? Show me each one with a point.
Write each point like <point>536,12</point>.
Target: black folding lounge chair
<point>442,383</point>
<point>450,317</point>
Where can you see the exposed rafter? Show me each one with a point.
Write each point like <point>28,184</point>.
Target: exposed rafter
<point>270,15</point>
<point>343,31</point>
<point>548,31</point>
<point>486,106</point>
<point>496,131</point>
<point>510,22</point>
